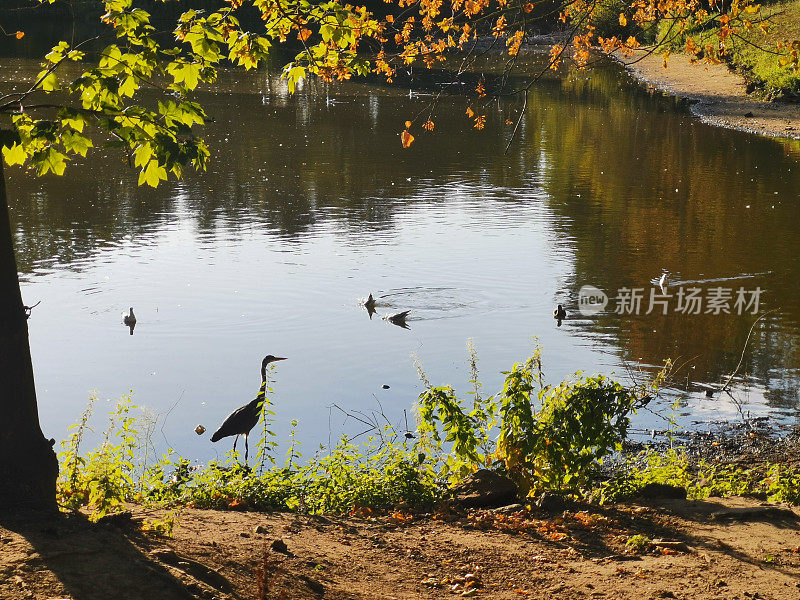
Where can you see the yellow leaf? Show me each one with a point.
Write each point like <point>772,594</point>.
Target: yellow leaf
<point>623,19</point>
<point>408,124</point>
<point>406,138</point>
<point>19,35</point>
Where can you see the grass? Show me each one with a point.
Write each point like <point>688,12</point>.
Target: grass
<point>544,437</point>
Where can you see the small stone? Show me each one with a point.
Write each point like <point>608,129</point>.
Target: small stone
<point>244,534</point>
<point>749,115</point>
<point>260,529</point>
<point>280,546</point>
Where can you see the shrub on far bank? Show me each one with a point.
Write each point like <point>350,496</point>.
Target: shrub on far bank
<point>762,55</point>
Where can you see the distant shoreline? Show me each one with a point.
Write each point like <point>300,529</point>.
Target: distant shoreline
<point>717,94</point>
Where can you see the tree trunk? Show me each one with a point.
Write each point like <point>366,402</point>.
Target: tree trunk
<point>28,465</point>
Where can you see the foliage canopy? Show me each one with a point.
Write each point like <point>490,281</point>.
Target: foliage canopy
<point>138,92</point>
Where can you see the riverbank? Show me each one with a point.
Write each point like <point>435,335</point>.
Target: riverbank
<point>711,549</point>
<point>717,95</point>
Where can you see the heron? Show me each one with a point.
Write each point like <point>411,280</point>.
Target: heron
<point>243,419</point>
<point>559,313</point>
<point>129,319</point>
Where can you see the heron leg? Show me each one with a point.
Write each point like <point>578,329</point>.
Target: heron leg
<point>246,448</point>
<point>236,439</point>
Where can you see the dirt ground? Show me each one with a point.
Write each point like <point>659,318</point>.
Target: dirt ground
<point>721,549</point>
<point>717,93</point>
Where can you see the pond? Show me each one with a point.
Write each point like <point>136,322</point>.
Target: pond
<point>311,203</point>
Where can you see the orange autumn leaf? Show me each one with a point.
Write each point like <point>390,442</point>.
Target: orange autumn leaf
<point>304,34</point>
<point>389,18</point>
<point>19,35</point>
<point>623,19</point>
<point>509,122</point>
<point>408,124</point>
<point>470,113</point>
<point>406,138</point>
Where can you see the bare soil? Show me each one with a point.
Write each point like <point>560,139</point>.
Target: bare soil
<point>718,95</point>
<point>747,551</point>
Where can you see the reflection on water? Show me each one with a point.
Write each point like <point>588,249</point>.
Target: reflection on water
<point>311,203</point>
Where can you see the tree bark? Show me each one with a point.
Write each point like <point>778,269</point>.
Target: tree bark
<point>28,465</point>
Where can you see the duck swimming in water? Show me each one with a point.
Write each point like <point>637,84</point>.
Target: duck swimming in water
<point>369,304</point>
<point>129,319</point>
<point>398,318</point>
<point>559,313</point>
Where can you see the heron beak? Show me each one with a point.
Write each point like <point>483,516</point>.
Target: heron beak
<point>278,359</point>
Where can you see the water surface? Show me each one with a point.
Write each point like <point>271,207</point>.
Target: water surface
<point>310,203</point>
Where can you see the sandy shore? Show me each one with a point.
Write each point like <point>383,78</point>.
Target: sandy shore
<point>718,95</point>
<point>716,549</point>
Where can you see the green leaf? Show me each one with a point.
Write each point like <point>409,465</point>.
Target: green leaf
<point>15,155</point>
<point>73,120</point>
<point>186,73</point>
<point>74,142</point>
<point>142,155</point>
<point>49,83</point>
<point>128,87</point>
<point>50,161</point>
<point>153,174</point>
<point>294,75</point>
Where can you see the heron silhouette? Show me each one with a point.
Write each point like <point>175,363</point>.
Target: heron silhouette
<point>243,419</point>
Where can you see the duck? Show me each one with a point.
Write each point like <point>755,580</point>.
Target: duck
<point>369,304</point>
<point>398,318</point>
<point>129,320</point>
<point>559,313</point>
